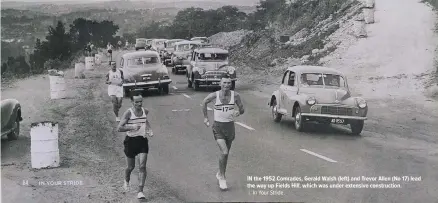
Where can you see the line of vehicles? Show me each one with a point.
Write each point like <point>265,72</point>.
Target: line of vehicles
<point>306,94</point>
<point>203,64</point>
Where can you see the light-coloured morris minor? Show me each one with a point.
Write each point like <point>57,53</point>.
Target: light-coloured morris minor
<point>316,93</point>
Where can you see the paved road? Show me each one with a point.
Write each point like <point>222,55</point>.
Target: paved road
<point>185,156</point>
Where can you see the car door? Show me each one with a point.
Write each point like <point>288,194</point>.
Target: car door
<point>283,87</point>
<point>290,90</point>
<point>192,64</point>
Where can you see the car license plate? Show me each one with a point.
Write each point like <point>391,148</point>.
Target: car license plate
<point>215,83</point>
<point>338,121</point>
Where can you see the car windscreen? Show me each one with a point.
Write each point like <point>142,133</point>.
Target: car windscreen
<point>320,79</point>
<point>142,61</point>
<point>212,57</point>
<point>186,47</point>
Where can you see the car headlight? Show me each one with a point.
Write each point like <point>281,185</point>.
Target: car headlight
<point>361,103</point>
<point>231,70</point>
<point>201,71</point>
<point>311,101</point>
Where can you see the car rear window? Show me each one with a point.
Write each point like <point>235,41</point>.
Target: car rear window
<point>143,61</point>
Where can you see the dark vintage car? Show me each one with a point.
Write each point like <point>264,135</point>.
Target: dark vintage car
<point>166,53</point>
<point>181,55</point>
<point>11,118</point>
<point>207,66</point>
<point>321,94</point>
<point>143,70</point>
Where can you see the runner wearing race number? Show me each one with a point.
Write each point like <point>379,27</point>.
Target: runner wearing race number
<point>114,79</point>
<point>223,126</point>
<point>136,125</point>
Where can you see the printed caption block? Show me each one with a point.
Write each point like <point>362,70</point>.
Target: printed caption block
<point>280,185</point>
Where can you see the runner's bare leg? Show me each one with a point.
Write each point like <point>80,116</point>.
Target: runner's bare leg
<point>142,172</point>
<point>223,159</point>
<point>129,169</point>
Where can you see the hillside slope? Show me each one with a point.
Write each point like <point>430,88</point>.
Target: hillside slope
<point>397,57</point>
<point>395,60</point>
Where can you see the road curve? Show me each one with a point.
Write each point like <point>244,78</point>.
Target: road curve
<point>185,156</point>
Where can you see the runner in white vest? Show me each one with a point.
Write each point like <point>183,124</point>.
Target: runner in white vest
<point>223,126</point>
<point>137,127</point>
<point>114,79</point>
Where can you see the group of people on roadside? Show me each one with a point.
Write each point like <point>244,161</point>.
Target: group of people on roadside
<point>134,121</point>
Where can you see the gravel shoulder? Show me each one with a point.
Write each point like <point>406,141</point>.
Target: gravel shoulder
<point>90,149</point>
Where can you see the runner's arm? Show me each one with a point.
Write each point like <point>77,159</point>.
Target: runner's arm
<point>239,103</point>
<point>121,127</point>
<point>148,125</point>
<point>207,100</point>
<point>123,79</point>
<point>107,79</point>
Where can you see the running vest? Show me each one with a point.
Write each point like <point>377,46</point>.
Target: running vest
<point>115,77</point>
<point>224,112</point>
<point>134,121</point>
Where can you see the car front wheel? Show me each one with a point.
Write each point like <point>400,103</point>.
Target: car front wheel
<point>299,120</point>
<point>275,115</point>
<point>356,127</point>
<point>165,89</point>
<point>16,132</point>
<point>196,85</point>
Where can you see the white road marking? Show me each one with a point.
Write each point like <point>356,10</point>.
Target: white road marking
<point>187,96</point>
<point>181,110</point>
<point>208,108</point>
<point>245,126</point>
<point>318,155</point>
<point>174,88</point>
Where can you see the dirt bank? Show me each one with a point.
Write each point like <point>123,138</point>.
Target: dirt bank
<point>90,149</point>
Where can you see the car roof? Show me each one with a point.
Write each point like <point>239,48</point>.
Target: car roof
<point>199,38</point>
<point>140,53</point>
<point>215,50</point>
<point>174,40</point>
<point>159,40</point>
<point>188,42</point>
<point>314,69</point>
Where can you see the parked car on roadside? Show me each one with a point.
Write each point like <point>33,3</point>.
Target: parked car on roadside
<point>169,47</point>
<point>10,118</point>
<point>143,70</point>
<point>181,55</point>
<point>207,66</point>
<point>316,93</point>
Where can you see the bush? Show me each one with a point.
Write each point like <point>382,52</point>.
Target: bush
<point>52,64</point>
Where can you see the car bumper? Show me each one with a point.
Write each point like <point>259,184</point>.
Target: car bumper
<point>150,84</point>
<point>334,116</point>
<point>210,82</point>
<point>181,67</point>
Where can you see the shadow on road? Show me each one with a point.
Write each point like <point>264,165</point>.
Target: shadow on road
<point>320,130</point>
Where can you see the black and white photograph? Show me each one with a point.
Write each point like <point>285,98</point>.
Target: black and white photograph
<point>169,101</point>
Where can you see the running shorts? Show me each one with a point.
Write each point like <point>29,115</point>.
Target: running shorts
<point>114,90</point>
<point>135,145</point>
<point>224,130</point>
